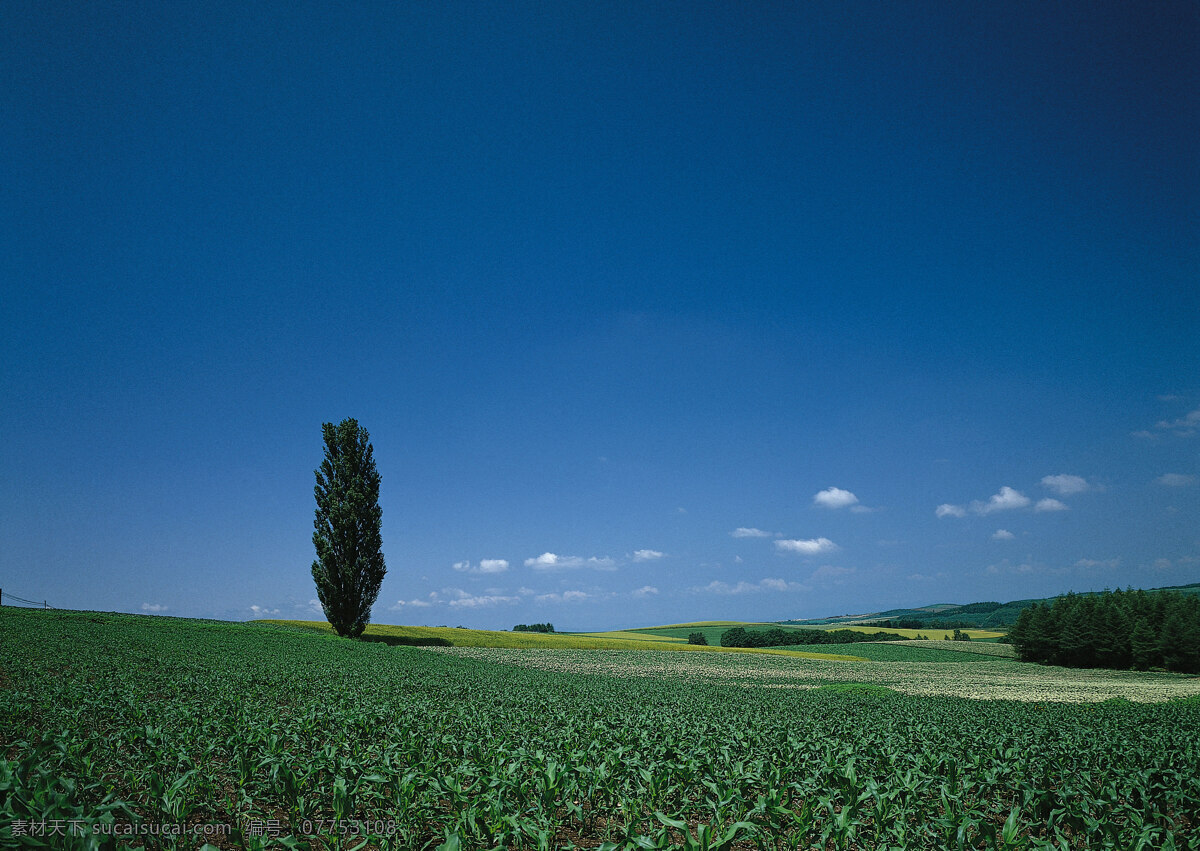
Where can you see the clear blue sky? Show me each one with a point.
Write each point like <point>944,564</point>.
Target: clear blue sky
<point>607,283</point>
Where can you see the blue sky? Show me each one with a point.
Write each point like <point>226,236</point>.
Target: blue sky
<point>654,312</point>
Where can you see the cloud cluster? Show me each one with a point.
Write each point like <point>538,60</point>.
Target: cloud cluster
<point>1011,499</point>
<point>460,599</point>
<point>155,607</point>
<point>261,611</point>
<point>1186,426</point>
<point>487,565</point>
<point>725,589</point>
<point>552,561</point>
<point>564,597</point>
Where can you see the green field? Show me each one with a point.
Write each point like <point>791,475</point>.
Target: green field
<point>614,640</point>
<point>122,721</point>
<point>902,651</point>
<point>712,632</point>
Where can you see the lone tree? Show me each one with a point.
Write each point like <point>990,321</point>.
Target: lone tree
<point>349,567</point>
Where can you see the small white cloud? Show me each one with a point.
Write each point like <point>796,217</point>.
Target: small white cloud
<point>1175,480</point>
<point>1002,535</point>
<point>647,555</point>
<point>948,510</point>
<point>829,572</point>
<point>1050,505</point>
<point>1065,484</point>
<point>1185,426</point>
<point>460,599</point>
<point>644,591</point>
<point>809,547</point>
<point>487,565</point>
<point>1090,563</point>
<point>564,597</point>
<point>153,607</point>
<point>260,611</point>
<point>835,498</point>
<point>725,589</point>
<point>1006,500</point>
<point>434,598</point>
<point>745,532</point>
<point>551,561</point>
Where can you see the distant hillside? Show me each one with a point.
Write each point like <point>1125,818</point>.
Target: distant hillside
<point>979,615</point>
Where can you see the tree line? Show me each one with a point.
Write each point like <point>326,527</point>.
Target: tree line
<point>534,627</point>
<point>1113,629</point>
<point>739,636</point>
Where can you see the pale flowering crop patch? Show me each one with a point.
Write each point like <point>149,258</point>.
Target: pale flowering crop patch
<point>996,680</point>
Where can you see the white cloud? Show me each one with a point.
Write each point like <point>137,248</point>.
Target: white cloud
<point>835,498</point>
<point>647,555</point>
<point>487,565</point>
<point>1050,505</point>
<point>260,611</point>
<point>1175,480</point>
<point>809,547</point>
<point>551,561</point>
<point>1091,562</point>
<point>830,573</point>
<point>744,532</point>
<point>948,510</point>
<point>644,591</point>
<point>564,597</point>
<point>153,607</point>
<point>460,599</point>
<point>1065,484</point>
<point>1185,426</point>
<point>1002,535</point>
<point>419,604</point>
<point>1006,500</point>
<point>725,589</point>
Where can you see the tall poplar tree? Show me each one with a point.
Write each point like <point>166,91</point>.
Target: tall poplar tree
<point>349,568</point>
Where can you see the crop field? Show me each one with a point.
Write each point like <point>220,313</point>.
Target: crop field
<point>287,738</point>
<point>712,631</point>
<point>615,640</point>
<point>901,651</point>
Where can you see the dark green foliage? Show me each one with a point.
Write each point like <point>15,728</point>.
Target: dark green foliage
<point>1114,629</point>
<point>739,636</point>
<point>959,635</point>
<point>697,638</point>
<point>408,640</point>
<point>349,568</point>
<point>534,627</point>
